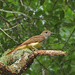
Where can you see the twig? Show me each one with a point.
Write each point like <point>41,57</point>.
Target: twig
<point>43,66</point>
<point>53,6</point>
<point>17,25</point>
<point>66,2</point>
<point>68,38</point>
<point>15,12</point>
<point>5,20</point>
<point>11,27</point>
<point>1,0</point>
<point>8,35</point>
<point>2,47</point>
<point>21,2</point>
<point>18,18</point>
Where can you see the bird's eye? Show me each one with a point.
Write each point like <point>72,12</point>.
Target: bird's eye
<point>45,32</point>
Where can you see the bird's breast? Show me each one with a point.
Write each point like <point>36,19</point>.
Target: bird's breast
<point>36,45</point>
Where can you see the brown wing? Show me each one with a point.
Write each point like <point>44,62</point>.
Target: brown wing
<point>33,39</point>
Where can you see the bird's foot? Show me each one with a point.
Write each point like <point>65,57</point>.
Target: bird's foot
<point>34,48</point>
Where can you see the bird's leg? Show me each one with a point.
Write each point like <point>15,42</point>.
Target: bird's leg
<point>34,48</point>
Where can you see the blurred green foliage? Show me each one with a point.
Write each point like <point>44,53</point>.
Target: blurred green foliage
<point>55,15</point>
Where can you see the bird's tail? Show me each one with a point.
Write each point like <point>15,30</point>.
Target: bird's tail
<point>11,51</point>
<point>18,48</point>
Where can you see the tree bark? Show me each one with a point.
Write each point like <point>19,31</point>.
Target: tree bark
<point>24,62</point>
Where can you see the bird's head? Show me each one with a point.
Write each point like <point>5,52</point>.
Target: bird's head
<point>46,33</point>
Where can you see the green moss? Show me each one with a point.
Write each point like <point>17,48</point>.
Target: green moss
<point>6,59</point>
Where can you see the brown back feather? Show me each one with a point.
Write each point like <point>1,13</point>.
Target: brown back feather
<point>33,39</point>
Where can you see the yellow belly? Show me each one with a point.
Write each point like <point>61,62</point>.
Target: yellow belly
<point>36,45</point>
<point>31,45</point>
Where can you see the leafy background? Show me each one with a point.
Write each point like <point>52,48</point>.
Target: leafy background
<point>21,19</point>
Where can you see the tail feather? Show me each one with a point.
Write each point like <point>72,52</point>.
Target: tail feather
<point>11,51</point>
<point>19,47</point>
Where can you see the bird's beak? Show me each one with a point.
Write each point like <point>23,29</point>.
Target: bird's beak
<point>53,33</point>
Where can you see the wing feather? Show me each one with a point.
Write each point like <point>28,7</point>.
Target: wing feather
<point>33,39</point>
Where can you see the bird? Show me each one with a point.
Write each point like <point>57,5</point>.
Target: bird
<point>34,42</point>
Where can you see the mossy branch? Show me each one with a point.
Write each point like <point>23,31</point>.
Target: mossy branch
<point>21,60</point>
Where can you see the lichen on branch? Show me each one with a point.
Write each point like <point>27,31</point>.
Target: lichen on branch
<point>19,61</point>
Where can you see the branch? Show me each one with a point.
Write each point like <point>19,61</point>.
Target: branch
<point>53,6</point>
<point>12,27</point>
<point>5,20</point>
<point>8,35</point>
<point>21,2</point>
<point>2,47</point>
<point>20,62</point>
<point>68,38</point>
<point>15,13</point>
<point>49,52</point>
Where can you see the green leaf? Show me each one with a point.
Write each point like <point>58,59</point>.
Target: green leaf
<point>62,14</point>
<point>41,2</point>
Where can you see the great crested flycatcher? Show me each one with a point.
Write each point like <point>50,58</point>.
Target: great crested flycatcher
<point>34,42</point>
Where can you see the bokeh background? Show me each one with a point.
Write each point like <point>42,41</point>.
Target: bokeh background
<point>21,19</point>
